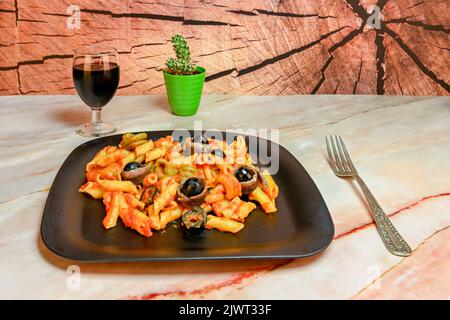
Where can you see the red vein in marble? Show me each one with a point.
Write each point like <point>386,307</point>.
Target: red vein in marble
<point>215,286</point>
<point>239,278</point>
<point>412,205</point>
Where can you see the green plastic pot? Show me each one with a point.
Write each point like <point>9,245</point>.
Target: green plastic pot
<point>184,92</point>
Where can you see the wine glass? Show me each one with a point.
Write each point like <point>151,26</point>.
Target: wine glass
<point>96,77</point>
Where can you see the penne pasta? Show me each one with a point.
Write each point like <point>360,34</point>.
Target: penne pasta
<point>235,209</point>
<point>215,195</point>
<point>271,189</point>
<point>155,154</point>
<point>231,210</point>
<point>112,201</point>
<point>231,184</point>
<point>92,175</point>
<point>144,148</point>
<point>111,172</point>
<point>155,220</point>
<point>240,150</point>
<point>114,156</point>
<point>266,203</point>
<point>209,175</point>
<point>223,224</point>
<point>140,158</point>
<point>169,215</point>
<point>128,139</point>
<point>136,144</point>
<point>206,207</point>
<point>167,195</point>
<point>137,220</point>
<point>130,157</point>
<point>219,206</point>
<point>102,153</point>
<point>134,202</point>
<point>112,185</point>
<point>164,142</point>
<point>93,189</point>
<point>244,210</point>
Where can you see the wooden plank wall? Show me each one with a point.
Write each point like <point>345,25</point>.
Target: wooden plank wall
<point>272,47</point>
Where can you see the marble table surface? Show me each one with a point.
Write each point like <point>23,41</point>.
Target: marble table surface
<point>401,146</point>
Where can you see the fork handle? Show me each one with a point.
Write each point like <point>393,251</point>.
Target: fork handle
<point>389,234</point>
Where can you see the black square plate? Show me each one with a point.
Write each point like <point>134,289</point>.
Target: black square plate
<point>72,222</point>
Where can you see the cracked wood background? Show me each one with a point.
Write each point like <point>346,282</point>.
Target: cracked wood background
<point>248,47</point>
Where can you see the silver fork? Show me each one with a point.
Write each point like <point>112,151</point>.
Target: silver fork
<point>343,167</point>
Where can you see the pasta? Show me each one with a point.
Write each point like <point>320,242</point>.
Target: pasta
<point>231,185</point>
<point>144,148</point>
<point>271,189</point>
<point>155,154</point>
<point>147,184</point>
<point>266,203</point>
<point>112,202</point>
<point>223,224</point>
<point>173,212</point>
<point>115,185</point>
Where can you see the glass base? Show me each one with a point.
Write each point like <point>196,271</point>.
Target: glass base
<point>96,130</point>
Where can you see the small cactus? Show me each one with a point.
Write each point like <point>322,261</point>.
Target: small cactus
<point>182,64</point>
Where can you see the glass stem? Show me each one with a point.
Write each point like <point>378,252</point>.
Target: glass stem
<point>96,118</point>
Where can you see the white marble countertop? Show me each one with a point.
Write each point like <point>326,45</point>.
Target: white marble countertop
<point>400,145</point>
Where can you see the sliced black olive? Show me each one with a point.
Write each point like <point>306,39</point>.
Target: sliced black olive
<point>218,153</point>
<point>194,221</point>
<point>244,174</point>
<point>200,139</point>
<point>192,191</point>
<point>135,172</point>
<point>132,166</point>
<point>247,177</point>
<point>192,187</point>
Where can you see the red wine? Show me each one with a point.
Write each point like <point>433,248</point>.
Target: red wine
<point>96,84</point>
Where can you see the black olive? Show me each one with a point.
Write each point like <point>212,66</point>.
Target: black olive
<point>243,174</point>
<point>200,139</point>
<point>132,166</point>
<point>193,222</point>
<point>194,218</point>
<point>192,187</point>
<point>219,153</point>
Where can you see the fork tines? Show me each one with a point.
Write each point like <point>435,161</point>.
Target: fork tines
<point>338,156</point>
